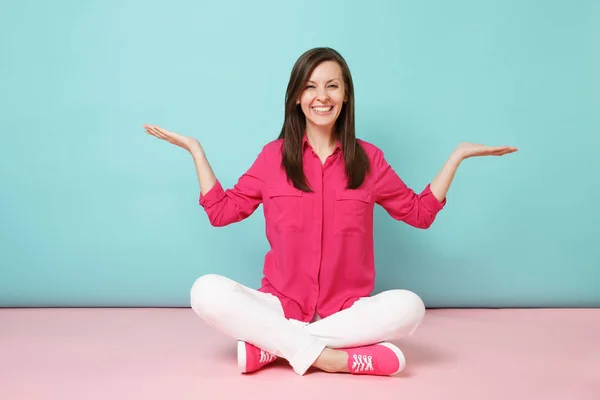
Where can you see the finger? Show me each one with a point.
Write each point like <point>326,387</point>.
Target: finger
<point>150,132</point>
<point>508,150</point>
<point>161,131</point>
<point>157,132</point>
<point>167,133</point>
<point>502,150</point>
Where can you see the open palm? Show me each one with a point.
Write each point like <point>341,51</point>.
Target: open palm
<point>184,142</point>
<point>467,150</point>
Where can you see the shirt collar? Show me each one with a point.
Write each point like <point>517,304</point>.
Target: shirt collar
<point>338,144</point>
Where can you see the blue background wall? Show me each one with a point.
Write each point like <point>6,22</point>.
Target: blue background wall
<point>94,212</point>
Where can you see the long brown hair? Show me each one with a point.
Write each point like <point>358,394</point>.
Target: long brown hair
<point>294,124</point>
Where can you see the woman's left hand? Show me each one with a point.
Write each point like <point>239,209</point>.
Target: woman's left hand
<point>468,150</point>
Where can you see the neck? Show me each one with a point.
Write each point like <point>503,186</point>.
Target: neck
<point>320,137</point>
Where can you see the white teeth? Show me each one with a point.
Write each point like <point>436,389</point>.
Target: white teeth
<point>323,109</point>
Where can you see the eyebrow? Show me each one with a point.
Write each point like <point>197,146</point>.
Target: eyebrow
<point>333,79</point>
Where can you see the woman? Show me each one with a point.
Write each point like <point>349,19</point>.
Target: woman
<point>318,185</point>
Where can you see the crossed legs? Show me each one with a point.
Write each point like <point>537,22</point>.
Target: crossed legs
<point>257,318</point>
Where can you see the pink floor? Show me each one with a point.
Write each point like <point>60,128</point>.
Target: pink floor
<point>170,354</point>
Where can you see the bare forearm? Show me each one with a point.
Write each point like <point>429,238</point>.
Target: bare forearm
<point>442,181</point>
<point>204,172</point>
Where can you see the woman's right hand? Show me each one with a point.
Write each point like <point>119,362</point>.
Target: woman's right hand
<point>185,142</point>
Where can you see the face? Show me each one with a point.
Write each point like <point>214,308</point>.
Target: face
<point>323,95</point>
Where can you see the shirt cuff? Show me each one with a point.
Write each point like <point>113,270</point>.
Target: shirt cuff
<point>430,201</point>
<point>214,195</point>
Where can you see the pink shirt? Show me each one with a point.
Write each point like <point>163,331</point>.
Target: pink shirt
<point>321,259</point>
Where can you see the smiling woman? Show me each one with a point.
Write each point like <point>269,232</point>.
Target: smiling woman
<point>322,99</point>
<point>318,184</point>
<point>319,104</point>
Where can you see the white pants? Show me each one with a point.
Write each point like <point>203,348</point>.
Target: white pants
<point>258,318</point>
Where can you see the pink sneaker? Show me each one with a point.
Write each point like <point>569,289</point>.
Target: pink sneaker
<point>251,358</point>
<point>378,359</point>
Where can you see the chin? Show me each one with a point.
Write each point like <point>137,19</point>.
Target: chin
<point>323,122</point>
<point>328,124</point>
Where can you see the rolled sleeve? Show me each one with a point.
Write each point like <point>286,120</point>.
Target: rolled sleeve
<point>401,202</point>
<point>213,196</point>
<point>225,207</point>
<point>430,201</point>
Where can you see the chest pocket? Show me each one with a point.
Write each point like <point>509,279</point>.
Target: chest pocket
<point>284,210</point>
<point>353,209</point>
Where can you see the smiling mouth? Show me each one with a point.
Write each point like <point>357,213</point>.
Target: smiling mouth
<point>322,110</point>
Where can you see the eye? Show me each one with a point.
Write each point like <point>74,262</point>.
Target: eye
<point>333,86</point>
<point>310,86</point>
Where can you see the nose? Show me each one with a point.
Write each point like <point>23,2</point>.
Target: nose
<point>322,94</point>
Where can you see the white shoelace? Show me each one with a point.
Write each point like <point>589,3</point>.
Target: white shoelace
<point>362,363</point>
<point>265,356</point>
